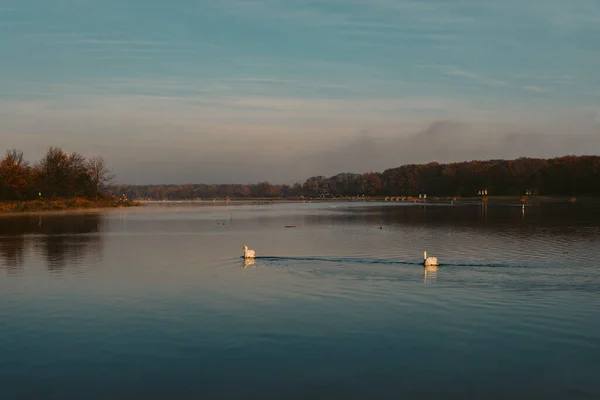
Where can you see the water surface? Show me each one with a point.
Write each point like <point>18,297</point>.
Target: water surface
<point>156,302</point>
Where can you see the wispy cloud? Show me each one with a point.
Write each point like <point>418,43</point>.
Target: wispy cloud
<point>13,24</point>
<point>477,77</point>
<point>377,13</point>
<point>570,14</point>
<point>522,81</point>
<point>546,77</point>
<point>200,109</point>
<point>537,89</point>
<point>282,11</point>
<point>450,70</point>
<point>75,38</point>
<point>341,105</point>
<point>396,34</point>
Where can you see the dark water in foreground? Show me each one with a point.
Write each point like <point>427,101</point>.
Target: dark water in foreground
<point>156,303</point>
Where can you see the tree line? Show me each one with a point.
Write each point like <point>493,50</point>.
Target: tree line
<point>56,175</point>
<point>562,176</point>
<point>62,175</point>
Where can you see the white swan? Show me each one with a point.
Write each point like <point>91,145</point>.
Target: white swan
<point>429,261</point>
<point>248,253</point>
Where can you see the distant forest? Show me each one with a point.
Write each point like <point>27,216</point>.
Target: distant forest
<point>62,175</point>
<point>563,176</point>
<point>56,175</point>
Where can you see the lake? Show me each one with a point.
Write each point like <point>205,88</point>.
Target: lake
<point>156,303</point>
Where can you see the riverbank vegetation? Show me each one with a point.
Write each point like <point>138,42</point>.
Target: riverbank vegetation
<point>58,181</point>
<point>61,181</point>
<point>567,176</point>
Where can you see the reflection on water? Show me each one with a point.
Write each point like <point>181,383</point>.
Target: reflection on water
<point>430,274</point>
<point>63,239</point>
<point>248,261</point>
<point>11,251</point>
<point>542,215</point>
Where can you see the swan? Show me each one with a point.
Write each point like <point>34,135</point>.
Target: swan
<point>429,261</point>
<point>248,253</point>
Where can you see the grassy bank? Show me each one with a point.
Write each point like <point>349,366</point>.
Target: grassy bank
<point>64,204</point>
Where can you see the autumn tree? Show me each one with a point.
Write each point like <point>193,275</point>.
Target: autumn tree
<point>344,184</point>
<point>314,184</point>
<point>297,189</point>
<point>62,175</point>
<point>371,184</point>
<point>15,176</point>
<point>262,189</point>
<point>53,172</point>
<point>99,174</point>
<point>78,176</point>
<point>244,191</point>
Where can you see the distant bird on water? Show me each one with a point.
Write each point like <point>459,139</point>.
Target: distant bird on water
<point>248,253</point>
<point>429,261</point>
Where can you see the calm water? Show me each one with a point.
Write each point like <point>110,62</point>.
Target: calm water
<point>156,302</point>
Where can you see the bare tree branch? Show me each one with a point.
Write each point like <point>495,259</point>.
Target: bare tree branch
<point>100,175</point>
<point>16,156</point>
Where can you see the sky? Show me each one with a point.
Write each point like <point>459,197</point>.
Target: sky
<point>241,91</point>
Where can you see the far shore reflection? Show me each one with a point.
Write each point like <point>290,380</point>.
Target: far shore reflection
<point>61,239</point>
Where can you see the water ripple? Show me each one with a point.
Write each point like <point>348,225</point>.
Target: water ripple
<point>339,306</point>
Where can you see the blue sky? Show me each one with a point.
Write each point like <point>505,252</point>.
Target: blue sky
<point>240,91</point>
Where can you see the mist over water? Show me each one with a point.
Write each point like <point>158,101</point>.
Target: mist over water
<point>157,302</point>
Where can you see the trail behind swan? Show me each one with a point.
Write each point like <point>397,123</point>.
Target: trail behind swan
<point>360,260</point>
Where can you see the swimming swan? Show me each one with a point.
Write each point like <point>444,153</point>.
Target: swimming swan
<point>248,253</point>
<point>429,261</point>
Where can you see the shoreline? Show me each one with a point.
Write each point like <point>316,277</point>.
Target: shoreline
<point>86,205</point>
<point>380,199</point>
<point>62,205</point>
